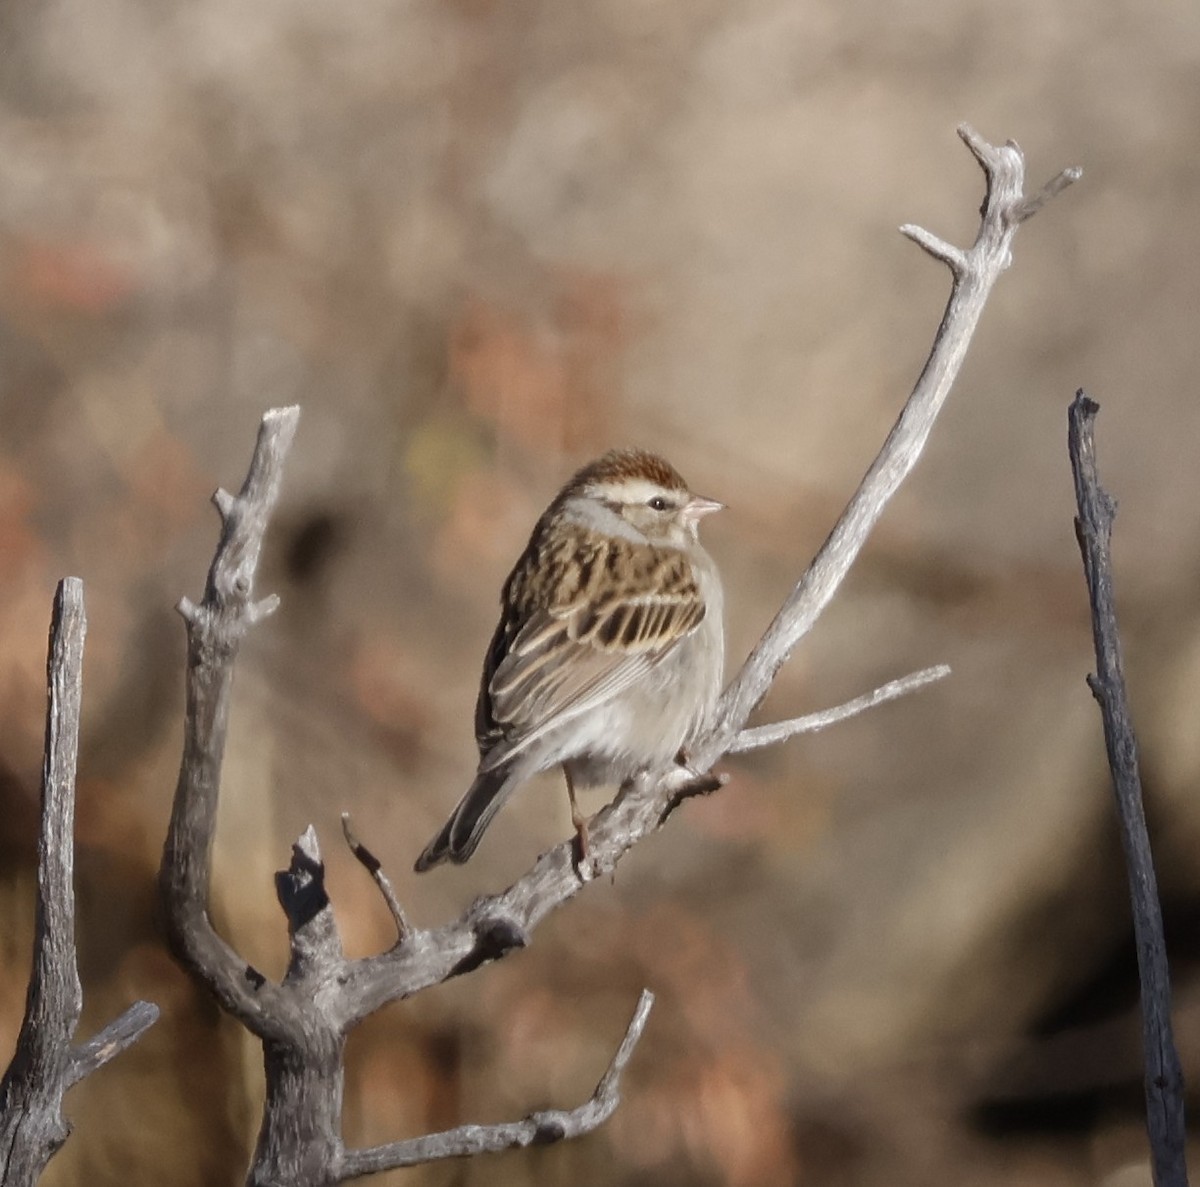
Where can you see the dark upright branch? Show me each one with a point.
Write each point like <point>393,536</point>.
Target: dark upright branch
<point>1164,1076</point>
<point>32,1125</point>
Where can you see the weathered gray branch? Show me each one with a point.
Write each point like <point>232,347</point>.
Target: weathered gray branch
<point>504,921</point>
<point>45,1065</point>
<point>215,629</point>
<point>810,723</point>
<point>550,1125</point>
<point>304,1019</point>
<point>107,1044</point>
<point>301,1020</point>
<point>374,867</point>
<point>974,273</point>
<point>1164,1075</point>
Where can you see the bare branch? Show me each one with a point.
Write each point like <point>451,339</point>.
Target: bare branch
<point>974,273</point>
<point>107,1044</point>
<point>303,1020</point>
<point>988,155</point>
<point>31,1096</point>
<point>1164,1075</point>
<point>32,1125</point>
<point>215,628</point>
<point>953,257</point>
<point>1051,189</point>
<point>431,956</point>
<point>55,996</point>
<point>316,946</point>
<point>551,1125</point>
<point>374,867</point>
<point>768,735</point>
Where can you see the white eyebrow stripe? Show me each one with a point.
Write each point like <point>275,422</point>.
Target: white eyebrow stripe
<point>637,490</point>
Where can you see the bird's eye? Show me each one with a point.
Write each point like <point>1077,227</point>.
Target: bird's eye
<point>658,503</point>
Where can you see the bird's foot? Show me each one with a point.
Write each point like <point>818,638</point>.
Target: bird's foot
<point>684,759</point>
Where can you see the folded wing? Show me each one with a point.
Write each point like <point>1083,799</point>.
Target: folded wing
<point>586,642</point>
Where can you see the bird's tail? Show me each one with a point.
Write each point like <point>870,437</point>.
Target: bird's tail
<point>461,834</point>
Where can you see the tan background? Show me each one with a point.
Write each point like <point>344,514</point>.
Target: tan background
<point>480,242</point>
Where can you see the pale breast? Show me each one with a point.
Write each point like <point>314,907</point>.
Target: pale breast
<point>650,722</point>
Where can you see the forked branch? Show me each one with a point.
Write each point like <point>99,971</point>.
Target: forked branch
<point>974,272</point>
<point>215,629</point>
<point>643,806</point>
<point>303,1020</point>
<point>46,1064</point>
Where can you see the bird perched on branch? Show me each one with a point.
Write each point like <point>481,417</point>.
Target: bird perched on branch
<point>608,656</point>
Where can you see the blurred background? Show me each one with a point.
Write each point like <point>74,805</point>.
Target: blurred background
<point>480,243</point>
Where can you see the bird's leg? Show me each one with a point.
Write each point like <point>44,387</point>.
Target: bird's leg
<point>577,817</point>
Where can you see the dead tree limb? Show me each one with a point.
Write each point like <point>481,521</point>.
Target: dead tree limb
<point>32,1125</point>
<point>303,1020</point>
<point>495,924</point>
<point>1163,1073</point>
<point>779,731</point>
<point>973,274</point>
<point>549,1125</point>
<point>215,629</point>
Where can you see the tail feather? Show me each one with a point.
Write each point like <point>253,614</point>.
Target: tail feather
<point>460,835</point>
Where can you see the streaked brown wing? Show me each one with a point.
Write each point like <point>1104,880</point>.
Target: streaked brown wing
<point>582,647</point>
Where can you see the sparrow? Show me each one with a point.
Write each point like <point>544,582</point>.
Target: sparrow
<point>608,656</point>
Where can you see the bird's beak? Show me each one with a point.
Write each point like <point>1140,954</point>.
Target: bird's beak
<point>696,508</point>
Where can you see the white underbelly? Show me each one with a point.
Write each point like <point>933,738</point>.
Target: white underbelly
<point>647,725</point>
